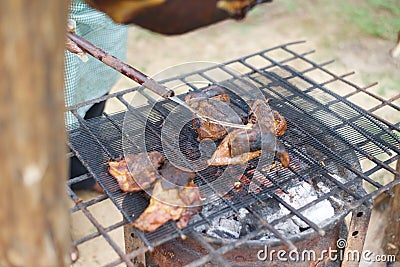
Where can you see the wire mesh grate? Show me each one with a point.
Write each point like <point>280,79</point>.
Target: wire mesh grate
<point>328,136</point>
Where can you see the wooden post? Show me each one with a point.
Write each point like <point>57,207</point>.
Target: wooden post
<point>34,219</point>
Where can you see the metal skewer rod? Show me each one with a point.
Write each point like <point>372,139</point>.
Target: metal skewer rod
<point>120,66</point>
<point>140,77</point>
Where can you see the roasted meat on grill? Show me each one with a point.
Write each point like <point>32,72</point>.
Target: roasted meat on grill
<point>282,154</point>
<point>142,172</point>
<point>242,145</point>
<point>175,197</point>
<point>174,177</point>
<point>190,195</point>
<point>279,122</point>
<point>212,102</point>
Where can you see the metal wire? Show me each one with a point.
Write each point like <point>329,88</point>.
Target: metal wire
<point>357,131</point>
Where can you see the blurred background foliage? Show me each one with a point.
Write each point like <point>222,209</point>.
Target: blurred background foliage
<point>378,18</point>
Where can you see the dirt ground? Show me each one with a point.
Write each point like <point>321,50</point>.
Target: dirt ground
<point>333,37</point>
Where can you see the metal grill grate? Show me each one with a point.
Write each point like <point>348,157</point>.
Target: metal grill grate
<point>327,134</point>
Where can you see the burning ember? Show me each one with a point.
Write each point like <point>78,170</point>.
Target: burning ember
<point>234,225</point>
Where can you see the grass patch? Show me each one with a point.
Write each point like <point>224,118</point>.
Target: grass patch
<point>378,18</point>
<point>388,85</point>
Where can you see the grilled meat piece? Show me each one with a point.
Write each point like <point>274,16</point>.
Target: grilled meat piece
<point>211,102</point>
<point>282,154</point>
<point>190,195</point>
<point>173,177</point>
<point>158,213</point>
<point>142,172</point>
<point>242,145</point>
<point>279,121</point>
<point>171,202</point>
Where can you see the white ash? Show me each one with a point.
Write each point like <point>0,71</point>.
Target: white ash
<point>233,225</point>
<point>301,195</point>
<point>225,226</point>
<point>242,213</point>
<point>338,178</point>
<point>334,200</point>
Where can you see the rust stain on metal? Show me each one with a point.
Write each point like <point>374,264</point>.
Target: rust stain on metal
<point>190,250</point>
<point>357,233</point>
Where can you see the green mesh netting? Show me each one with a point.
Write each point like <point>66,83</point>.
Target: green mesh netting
<point>92,79</point>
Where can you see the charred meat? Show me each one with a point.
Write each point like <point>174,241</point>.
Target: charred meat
<point>170,200</point>
<point>238,147</point>
<point>190,195</point>
<point>174,177</point>
<point>161,211</point>
<point>211,102</point>
<point>242,145</point>
<point>282,154</point>
<point>280,123</point>
<point>136,172</point>
<point>264,114</point>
